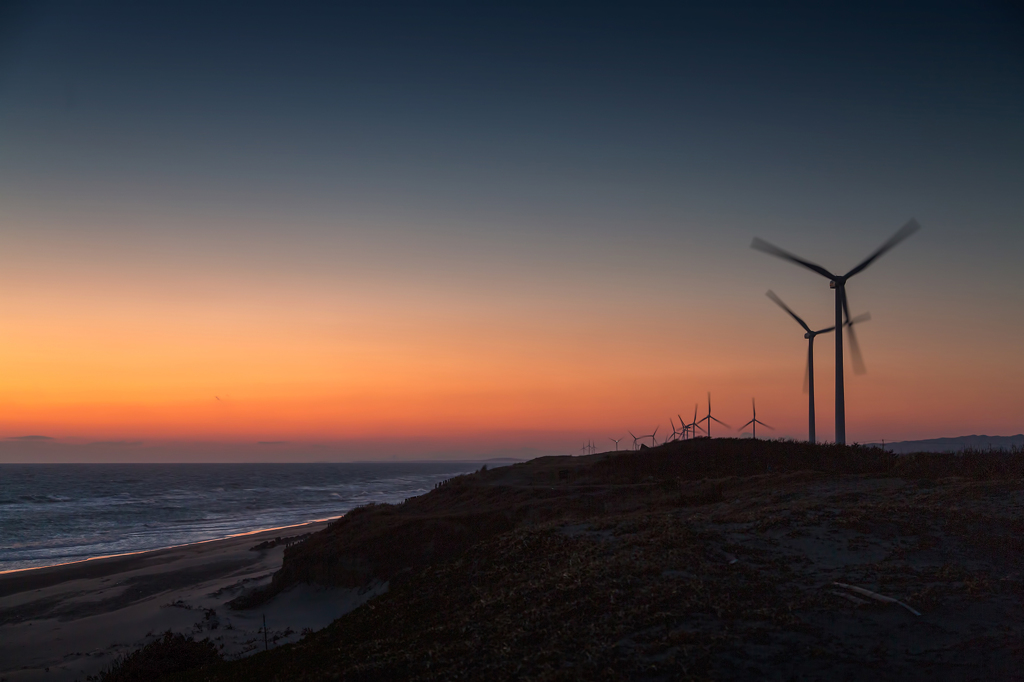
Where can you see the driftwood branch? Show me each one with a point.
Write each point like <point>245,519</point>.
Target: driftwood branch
<point>849,597</point>
<point>877,597</point>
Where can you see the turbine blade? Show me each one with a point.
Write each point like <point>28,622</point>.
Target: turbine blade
<point>910,228</point>
<point>861,318</point>
<point>772,250</point>
<point>746,425</point>
<point>722,423</point>
<point>858,359</point>
<point>766,426</point>
<point>778,302</point>
<point>855,355</point>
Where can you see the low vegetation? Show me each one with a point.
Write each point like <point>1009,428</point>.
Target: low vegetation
<point>171,653</point>
<point>721,559</point>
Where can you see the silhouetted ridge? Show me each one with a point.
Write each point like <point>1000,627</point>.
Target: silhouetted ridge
<point>383,542</point>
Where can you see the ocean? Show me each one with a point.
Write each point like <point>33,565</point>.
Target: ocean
<point>58,513</point>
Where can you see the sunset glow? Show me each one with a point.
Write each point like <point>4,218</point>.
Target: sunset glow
<point>507,268</point>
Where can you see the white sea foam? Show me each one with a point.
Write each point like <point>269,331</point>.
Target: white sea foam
<point>56,513</point>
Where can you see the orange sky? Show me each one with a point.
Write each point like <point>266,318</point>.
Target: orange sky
<point>223,352</point>
<point>375,233</point>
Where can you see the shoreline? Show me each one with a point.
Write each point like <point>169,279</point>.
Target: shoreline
<point>168,547</point>
<point>67,621</point>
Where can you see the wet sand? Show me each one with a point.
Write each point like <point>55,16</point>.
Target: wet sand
<point>67,622</point>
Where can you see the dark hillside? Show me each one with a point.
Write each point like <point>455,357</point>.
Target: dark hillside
<point>380,542</point>
<point>724,559</point>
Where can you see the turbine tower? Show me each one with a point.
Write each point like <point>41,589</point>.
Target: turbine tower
<point>755,421</point>
<point>838,282</point>
<point>710,419</point>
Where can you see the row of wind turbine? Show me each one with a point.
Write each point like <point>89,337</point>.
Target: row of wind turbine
<point>684,429</point>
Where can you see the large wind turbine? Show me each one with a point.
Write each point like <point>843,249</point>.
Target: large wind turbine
<point>838,282</point>
<point>755,421</point>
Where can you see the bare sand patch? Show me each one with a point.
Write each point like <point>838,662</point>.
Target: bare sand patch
<point>67,622</point>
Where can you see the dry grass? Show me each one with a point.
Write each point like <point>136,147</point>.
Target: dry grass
<point>702,560</point>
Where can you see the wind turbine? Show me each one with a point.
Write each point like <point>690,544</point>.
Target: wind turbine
<point>654,441</point>
<point>616,441</point>
<point>755,421</point>
<point>809,373</point>
<point>694,424</point>
<point>838,282</point>
<point>675,434</point>
<point>684,426</point>
<point>709,418</point>
<point>635,439</point>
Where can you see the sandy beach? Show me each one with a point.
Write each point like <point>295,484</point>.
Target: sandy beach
<point>67,622</point>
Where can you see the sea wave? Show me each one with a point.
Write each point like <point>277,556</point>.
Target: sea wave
<point>56,513</point>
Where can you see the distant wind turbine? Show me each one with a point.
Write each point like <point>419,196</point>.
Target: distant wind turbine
<point>654,441</point>
<point>755,421</point>
<point>838,282</point>
<point>635,439</point>
<point>710,419</point>
<point>694,425</point>
<point>616,441</point>
<point>676,434</point>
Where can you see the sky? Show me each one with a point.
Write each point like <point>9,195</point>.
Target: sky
<point>237,231</point>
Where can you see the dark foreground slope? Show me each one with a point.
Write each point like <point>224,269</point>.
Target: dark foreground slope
<point>706,560</point>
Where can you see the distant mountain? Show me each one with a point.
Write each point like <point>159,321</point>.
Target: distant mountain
<point>954,444</point>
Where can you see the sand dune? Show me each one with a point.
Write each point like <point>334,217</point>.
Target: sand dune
<point>67,622</point>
